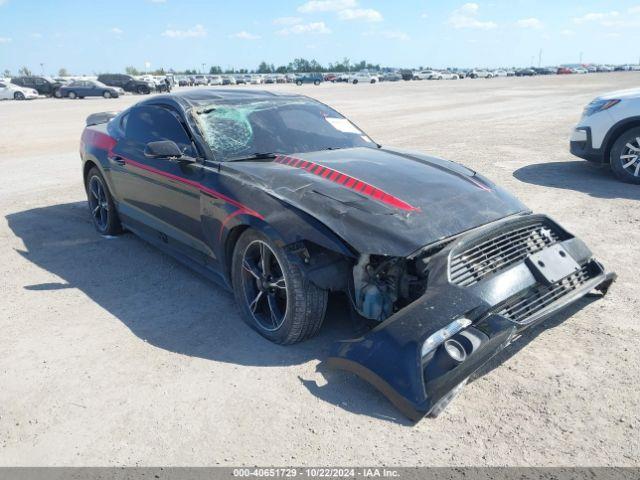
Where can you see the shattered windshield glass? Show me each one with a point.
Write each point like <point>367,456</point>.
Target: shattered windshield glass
<point>235,129</point>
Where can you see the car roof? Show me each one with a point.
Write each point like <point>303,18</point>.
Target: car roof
<point>200,97</point>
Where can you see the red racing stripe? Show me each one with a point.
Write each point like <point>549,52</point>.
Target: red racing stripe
<point>348,181</point>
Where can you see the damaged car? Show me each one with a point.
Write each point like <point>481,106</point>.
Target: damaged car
<point>284,201</point>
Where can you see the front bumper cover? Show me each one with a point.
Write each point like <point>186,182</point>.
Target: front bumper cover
<point>580,145</point>
<point>501,305</point>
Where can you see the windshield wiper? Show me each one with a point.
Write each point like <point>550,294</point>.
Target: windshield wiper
<point>254,156</point>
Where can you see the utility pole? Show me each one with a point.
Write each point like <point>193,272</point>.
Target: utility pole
<point>42,68</point>
<point>203,64</point>
<point>540,58</point>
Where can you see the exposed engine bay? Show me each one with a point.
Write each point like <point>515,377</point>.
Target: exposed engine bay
<point>383,285</point>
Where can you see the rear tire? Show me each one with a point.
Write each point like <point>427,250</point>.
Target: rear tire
<point>101,206</point>
<point>625,156</point>
<point>282,305</point>
<point>57,93</point>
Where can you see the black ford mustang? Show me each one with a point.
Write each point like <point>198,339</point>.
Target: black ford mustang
<point>284,200</point>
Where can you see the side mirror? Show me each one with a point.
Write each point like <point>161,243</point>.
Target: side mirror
<point>166,149</point>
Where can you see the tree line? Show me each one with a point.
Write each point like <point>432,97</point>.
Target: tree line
<point>298,65</point>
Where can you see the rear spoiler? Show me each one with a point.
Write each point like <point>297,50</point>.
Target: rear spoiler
<point>98,118</point>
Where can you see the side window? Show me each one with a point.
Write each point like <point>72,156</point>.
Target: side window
<point>40,81</point>
<point>151,124</point>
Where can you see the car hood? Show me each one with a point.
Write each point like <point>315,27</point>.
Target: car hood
<point>383,201</point>
<point>621,94</point>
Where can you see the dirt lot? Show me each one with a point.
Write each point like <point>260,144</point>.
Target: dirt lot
<point>112,353</point>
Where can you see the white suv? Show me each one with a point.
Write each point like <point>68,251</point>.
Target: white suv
<point>609,132</point>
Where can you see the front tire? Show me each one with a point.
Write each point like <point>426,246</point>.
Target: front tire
<point>625,156</point>
<point>106,94</point>
<point>18,96</point>
<point>274,295</point>
<point>101,206</point>
<point>72,95</point>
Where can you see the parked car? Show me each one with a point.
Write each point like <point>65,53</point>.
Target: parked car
<point>407,74</point>
<point>44,86</point>
<point>249,194</point>
<point>269,79</point>
<point>126,82</point>
<point>480,74</point>
<point>89,88</point>
<point>9,91</point>
<point>580,70</point>
<point>609,133</point>
<point>525,72</point>
<point>391,77</point>
<point>363,77</point>
<point>230,80</point>
<point>564,71</point>
<point>423,75</point>
<point>444,76</point>
<point>315,78</point>
<point>200,80</point>
<point>330,77</point>
<point>215,80</point>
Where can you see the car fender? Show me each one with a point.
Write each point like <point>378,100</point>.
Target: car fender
<point>614,132</point>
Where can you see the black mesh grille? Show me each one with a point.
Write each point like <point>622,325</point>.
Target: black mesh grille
<point>505,249</point>
<point>522,308</point>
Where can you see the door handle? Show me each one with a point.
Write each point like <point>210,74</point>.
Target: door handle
<point>117,159</point>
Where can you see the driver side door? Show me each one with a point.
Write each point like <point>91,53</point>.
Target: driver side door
<point>159,195</point>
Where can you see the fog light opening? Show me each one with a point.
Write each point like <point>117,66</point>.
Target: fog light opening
<point>455,350</point>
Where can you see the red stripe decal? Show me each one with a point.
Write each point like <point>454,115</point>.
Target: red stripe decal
<point>197,185</point>
<point>348,181</point>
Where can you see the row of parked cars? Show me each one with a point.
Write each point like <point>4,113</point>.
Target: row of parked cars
<point>104,85</point>
<point>113,85</point>
<point>391,76</point>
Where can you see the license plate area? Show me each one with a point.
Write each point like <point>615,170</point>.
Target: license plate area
<point>552,264</point>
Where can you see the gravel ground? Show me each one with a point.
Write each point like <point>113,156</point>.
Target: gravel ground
<point>112,353</point>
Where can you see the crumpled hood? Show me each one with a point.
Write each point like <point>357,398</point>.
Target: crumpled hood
<point>383,201</point>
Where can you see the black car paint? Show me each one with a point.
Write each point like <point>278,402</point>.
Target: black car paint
<point>413,384</point>
<point>126,82</point>
<point>42,85</point>
<point>195,211</point>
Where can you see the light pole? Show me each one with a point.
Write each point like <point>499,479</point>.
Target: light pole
<point>203,67</point>
<point>42,68</point>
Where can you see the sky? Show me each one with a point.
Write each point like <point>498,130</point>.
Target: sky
<point>106,36</point>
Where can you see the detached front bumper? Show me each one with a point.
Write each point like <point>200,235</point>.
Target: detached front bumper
<point>501,280</point>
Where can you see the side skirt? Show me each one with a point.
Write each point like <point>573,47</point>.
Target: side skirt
<point>161,241</point>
